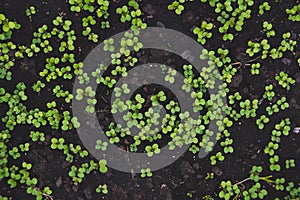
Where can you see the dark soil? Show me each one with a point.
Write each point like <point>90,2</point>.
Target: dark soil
<point>188,173</point>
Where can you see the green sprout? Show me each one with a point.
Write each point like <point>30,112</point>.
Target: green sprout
<point>228,190</point>
<point>101,145</point>
<point>93,37</point>
<point>271,148</point>
<point>232,98</point>
<point>227,144</point>
<point>269,93</point>
<point>160,96</point>
<point>293,13</point>
<point>14,152</point>
<point>131,60</point>
<point>57,143</point>
<point>151,150</point>
<point>146,172</point>
<point>105,25</point>
<point>37,136</point>
<point>109,45</point>
<point>7,27</point>
<point>109,82</point>
<point>274,166</point>
<point>219,156</point>
<point>279,184</point>
<point>102,189</point>
<point>30,11</point>
<point>177,6</point>
<point>194,149</point>
<point>284,80</point>
<point>255,68</point>
<point>89,20</point>
<point>261,121</point>
<point>102,166</point>
<point>124,12</point>
<point>268,29</point>
<point>209,175</point>
<point>290,163</point>
<point>119,70</point>
<point>24,147</point>
<point>37,87</point>
<point>170,75</point>
<point>202,32</point>
<point>264,7</point>
<point>88,92</point>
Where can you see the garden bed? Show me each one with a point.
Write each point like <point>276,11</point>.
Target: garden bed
<point>256,155</point>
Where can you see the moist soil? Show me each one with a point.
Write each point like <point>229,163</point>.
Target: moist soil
<point>188,173</point>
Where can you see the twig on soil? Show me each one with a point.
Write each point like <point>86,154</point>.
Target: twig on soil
<point>246,62</point>
<point>48,196</point>
<point>249,61</point>
<point>239,183</point>
<point>266,178</point>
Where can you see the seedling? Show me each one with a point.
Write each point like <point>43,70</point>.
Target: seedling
<point>235,97</point>
<point>109,45</point>
<point>261,121</point>
<point>14,152</point>
<point>105,25</point>
<point>219,156</point>
<point>102,189</point>
<point>102,166</point>
<point>146,172</point>
<point>284,80</point>
<point>271,148</point>
<point>151,150</point>
<point>57,143</point>
<point>30,11</point>
<point>264,7</point>
<point>268,29</point>
<point>274,166</point>
<point>203,32</point>
<point>170,75</point>
<point>101,145</point>
<point>294,13</point>
<point>290,163</point>
<point>24,147</point>
<point>37,136</point>
<point>177,6</point>
<point>269,93</point>
<point>124,12</point>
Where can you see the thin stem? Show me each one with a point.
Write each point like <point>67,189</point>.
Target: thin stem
<point>47,196</point>
<point>236,63</point>
<point>267,179</point>
<point>248,61</point>
<point>247,179</point>
<point>253,59</point>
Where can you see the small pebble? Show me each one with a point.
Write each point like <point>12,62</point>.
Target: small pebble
<point>286,61</point>
<point>75,188</point>
<point>58,182</point>
<point>296,130</point>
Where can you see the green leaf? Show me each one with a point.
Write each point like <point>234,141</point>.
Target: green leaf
<point>11,25</point>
